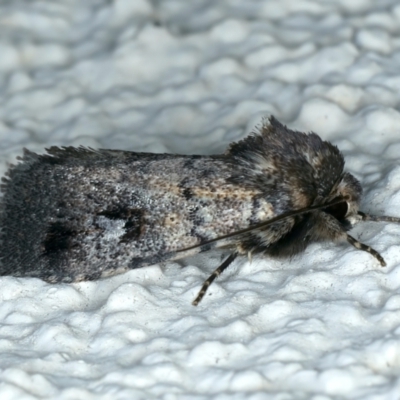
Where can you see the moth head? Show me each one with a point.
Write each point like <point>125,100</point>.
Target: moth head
<point>349,189</point>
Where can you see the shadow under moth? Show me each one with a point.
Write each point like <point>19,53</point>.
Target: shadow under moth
<point>76,214</point>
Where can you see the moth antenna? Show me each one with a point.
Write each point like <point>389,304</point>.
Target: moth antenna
<point>264,224</point>
<point>361,246</point>
<point>376,218</point>
<point>212,277</point>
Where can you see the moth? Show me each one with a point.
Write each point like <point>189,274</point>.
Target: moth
<point>76,214</point>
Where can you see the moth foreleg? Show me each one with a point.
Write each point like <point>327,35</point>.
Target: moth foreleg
<point>361,246</point>
<point>376,218</point>
<point>212,277</point>
<point>373,218</point>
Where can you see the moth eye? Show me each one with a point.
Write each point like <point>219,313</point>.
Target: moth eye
<point>339,211</point>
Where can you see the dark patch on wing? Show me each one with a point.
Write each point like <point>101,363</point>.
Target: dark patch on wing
<point>134,226</point>
<point>115,213</point>
<point>187,193</point>
<point>134,221</point>
<point>59,238</point>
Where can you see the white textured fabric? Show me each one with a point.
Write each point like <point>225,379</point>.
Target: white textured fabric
<point>190,77</point>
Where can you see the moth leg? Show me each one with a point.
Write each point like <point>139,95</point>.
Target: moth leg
<point>250,256</point>
<point>212,277</point>
<point>361,246</point>
<point>375,218</point>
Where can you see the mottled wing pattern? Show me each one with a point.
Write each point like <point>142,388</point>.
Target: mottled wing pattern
<point>78,214</point>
